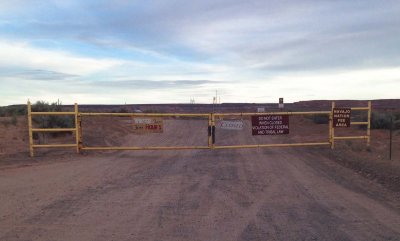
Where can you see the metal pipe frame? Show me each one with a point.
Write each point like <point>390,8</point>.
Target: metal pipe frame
<point>143,114</point>
<point>29,107</point>
<point>53,113</point>
<point>141,148</point>
<point>211,123</point>
<point>273,145</point>
<point>349,137</point>
<point>31,129</point>
<point>359,123</point>
<point>368,123</point>
<point>360,108</point>
<point>54,145</point>
<point>76,128</point>
<point>53,130</point>
<point>209,131</point>
<point>276,113</point>
<point>332,129</point>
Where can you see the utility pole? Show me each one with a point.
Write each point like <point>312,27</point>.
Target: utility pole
<point>215,101</point>
<point>213,105</point>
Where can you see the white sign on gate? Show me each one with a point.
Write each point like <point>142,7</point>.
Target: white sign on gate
<point>260,109</point>
<point>144,120</point>
<point>147,125</point>
<point>231,125</point>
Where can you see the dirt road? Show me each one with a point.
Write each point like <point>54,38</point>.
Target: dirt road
<point>254,194</point>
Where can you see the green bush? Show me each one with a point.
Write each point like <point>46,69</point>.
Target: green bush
<point>12,110</point>
<point>13,113</point>
<point>51,121</point>
<point>382,120</point>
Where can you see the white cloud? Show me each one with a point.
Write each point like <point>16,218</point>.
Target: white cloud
<point>253,51</point>
<point>23,56</point>
<point>356,84</point>
<point>376,83</point>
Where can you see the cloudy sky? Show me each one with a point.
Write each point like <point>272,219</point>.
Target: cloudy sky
<point>169,51</point>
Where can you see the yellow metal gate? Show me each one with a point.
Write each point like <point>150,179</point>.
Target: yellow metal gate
<point>79,145</point>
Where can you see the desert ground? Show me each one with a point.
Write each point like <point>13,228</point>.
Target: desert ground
<point>286,193</point>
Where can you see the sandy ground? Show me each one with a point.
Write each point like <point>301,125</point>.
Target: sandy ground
<point>249,194</point>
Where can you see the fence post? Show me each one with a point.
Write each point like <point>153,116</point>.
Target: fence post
<point>369,124</point>
<point>29,107</point>
<point>76,128</point>
<point>80,131</point>
<point>391,135</point>
<point>332,129</point>
<point>210,130</point>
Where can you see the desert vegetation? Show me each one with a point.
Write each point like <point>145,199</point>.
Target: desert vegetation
<point>51,121</point>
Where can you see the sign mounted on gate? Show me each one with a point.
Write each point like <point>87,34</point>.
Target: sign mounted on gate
<point>147,125</point>
<point>231,125</point>
<point>341,117</point>
<point>270,124</point>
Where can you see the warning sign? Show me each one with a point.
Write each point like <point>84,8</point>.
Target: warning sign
<point>270,124</point>
<point>148,125</point>
<point>341,117</point>
<point>281,103</point>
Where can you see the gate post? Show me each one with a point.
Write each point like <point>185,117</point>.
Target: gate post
<point>369,124</point>
<point>80,131</point>
<point>331,128</point>
<point>210,131</point>
<point>29,107</point>
<point>77,129</point>
<point>213,130</point>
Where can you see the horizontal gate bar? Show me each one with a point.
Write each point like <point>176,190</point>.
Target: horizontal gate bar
<point>273,145</point>
<point>143,114</point>
<point>52,113</point>
<point>138,148</point>
<point>359,123</point>
<point>359,108</point>
<point>275,113</point>
<point>53,129</point>
<point>54,145</point>
<point>349,137</point>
